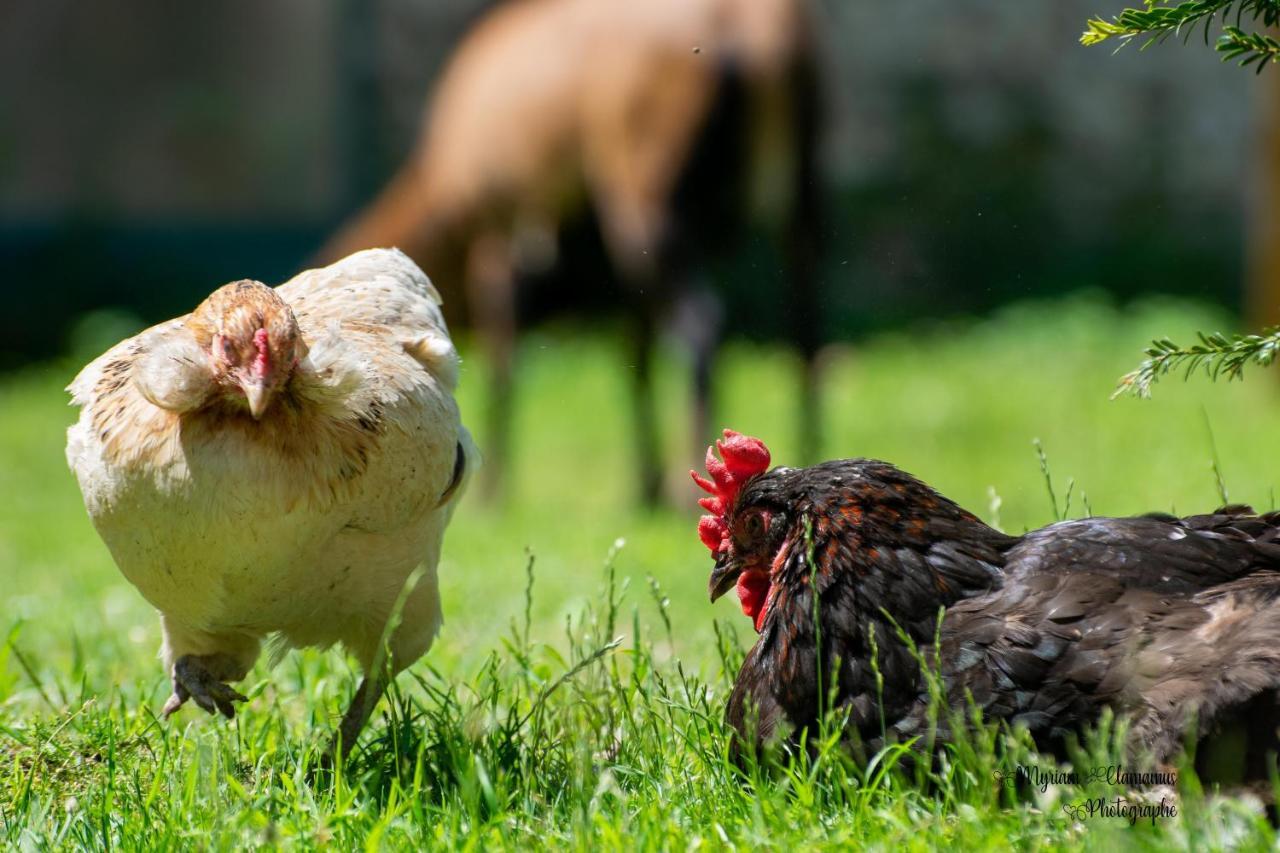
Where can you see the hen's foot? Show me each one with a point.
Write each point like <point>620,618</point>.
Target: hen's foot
<point>362,704</point>
<point>195,677</point>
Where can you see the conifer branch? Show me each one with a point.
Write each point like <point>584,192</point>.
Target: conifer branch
<point>1217,355</point>
<point>1158,20</point>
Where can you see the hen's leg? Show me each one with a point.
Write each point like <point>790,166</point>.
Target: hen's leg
<point>371,688</point>
<point>201,664</point>
<point>420,620</point>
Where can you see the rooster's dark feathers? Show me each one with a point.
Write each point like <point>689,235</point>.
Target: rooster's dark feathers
<point>1174,621</point>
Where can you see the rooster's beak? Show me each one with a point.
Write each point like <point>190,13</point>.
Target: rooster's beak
<point>258,397</point>
<point>724,576</point>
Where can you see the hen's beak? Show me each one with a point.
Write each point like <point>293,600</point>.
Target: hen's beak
<point>724,576</point>
<point>259,398</point>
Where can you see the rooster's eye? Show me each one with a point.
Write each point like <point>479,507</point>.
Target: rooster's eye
<point>755,524</point>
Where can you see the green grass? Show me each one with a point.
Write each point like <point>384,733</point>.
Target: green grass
<point>484,744</point>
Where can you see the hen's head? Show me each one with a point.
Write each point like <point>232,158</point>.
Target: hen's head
<point>893,540</point>
<point>251,338</point>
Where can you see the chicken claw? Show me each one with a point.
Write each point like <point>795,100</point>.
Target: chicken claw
<point>194,678</point>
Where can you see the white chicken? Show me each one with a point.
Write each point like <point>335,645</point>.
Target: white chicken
<point>278,463</point>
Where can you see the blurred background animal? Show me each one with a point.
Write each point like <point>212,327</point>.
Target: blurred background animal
<point>662,128</point>
<point>1173,621</point>
<point>277,463</point>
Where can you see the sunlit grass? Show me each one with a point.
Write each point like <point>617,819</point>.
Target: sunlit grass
<point>628,752</point>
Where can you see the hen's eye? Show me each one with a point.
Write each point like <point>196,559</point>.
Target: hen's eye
<point>223,349</point>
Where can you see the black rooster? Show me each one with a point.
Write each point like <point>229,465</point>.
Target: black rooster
<point>1174,621</point>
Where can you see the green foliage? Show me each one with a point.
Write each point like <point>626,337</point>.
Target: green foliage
<point>1249,48</point>
<point>1157,20</point>
<point>1218,355</point>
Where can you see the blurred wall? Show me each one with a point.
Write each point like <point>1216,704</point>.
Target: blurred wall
<point>987,155</point>
<point>160,109</point>
<point>976,154</point>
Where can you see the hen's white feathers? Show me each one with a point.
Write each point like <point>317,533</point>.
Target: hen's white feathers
<point>305,523</point>
<point>173,372</point>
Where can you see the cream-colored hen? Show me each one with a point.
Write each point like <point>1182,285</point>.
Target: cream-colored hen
<point>279,462</point>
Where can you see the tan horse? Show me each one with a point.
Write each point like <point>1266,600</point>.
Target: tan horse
<point>637,114</point>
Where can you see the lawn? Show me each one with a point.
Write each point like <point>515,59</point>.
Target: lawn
<point>526,725</point>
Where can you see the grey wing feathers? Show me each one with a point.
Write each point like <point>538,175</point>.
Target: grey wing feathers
<point>1176,621</point>
<point>1208,675</point>
<point>1161,552</point>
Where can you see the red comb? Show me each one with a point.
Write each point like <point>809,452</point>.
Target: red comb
<point>743,457</point>
<point>263,359</point>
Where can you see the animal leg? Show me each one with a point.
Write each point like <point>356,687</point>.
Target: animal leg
<point>419,621</point>
<point>636,148</point>
<point>699,321</point>
<point>492,296</point>
<point>807,336</point>
<point>635,234</point>
<point>646,425</point>
<point>201,664</point>
<point>802,248</point>
<point>202,678</point>
<point>371,689</point>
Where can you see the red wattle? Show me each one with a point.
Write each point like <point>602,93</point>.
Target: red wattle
<point>753,592</point>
